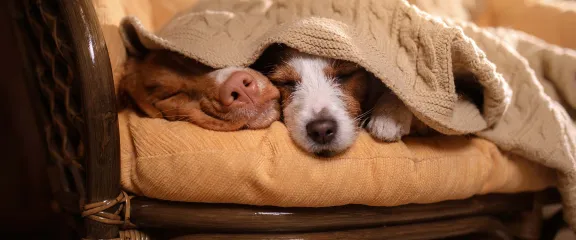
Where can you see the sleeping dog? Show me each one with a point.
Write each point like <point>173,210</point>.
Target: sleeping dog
<point>326,101</point>
<point>166,84</point>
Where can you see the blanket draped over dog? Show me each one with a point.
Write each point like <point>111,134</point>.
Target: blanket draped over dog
<point>419,57</point>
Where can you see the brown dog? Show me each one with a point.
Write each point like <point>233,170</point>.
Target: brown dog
<point>166,84</point>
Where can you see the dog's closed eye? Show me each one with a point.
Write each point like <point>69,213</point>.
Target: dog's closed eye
<point>285,84</point>
<point>170,95</point>
<point>285,76</point>
<point>345,76</point>
<point>342,71</point>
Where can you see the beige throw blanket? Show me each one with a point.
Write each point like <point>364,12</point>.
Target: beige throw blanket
<point>414,54</point>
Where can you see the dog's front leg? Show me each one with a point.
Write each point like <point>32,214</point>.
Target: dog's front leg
<point>390,119</point>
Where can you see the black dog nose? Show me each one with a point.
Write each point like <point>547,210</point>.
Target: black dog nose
<point>322,131</point>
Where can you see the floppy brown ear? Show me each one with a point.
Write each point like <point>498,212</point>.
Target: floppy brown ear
<point>123,98</point>
<point>131,90</point>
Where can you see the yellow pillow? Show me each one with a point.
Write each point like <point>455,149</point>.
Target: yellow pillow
<point>181,162</point>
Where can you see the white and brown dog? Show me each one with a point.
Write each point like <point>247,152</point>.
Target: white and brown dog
<point>326,102</point>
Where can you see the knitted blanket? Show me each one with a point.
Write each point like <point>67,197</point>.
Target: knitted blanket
<point>417,56</point>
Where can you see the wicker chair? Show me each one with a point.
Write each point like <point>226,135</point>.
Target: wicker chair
<point>70,86</point>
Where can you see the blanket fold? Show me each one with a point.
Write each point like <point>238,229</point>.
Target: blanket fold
<point>415,56</point>
<point>418,56</point>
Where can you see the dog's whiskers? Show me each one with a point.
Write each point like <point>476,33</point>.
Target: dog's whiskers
<point>361,116</point>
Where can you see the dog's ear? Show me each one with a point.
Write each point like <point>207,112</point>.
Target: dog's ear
<point>131,90</point>
<point>271,57</point>
<point>123,98</point>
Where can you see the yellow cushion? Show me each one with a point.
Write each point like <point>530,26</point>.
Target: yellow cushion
<point>181,162</point>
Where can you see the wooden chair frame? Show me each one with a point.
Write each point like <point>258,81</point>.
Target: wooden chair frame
<point>68,74</point>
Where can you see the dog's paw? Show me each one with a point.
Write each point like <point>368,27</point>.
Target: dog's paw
<point>387,128</point>
<point>390,120</point>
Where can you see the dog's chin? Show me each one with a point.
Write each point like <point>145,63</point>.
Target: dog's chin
<point>266,117</point>
<point>327,153</point>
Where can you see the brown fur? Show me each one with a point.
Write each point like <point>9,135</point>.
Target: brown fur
<point>353,80</point>
<point>165,84</point>
<point>285,78</point>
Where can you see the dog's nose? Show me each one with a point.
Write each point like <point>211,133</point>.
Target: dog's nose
<point>239,88</point>
<point>322,131</point>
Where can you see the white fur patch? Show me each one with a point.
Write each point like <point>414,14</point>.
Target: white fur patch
<point>315,93</point>
<point>223,74</point>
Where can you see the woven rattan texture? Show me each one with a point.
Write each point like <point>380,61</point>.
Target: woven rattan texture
<point>62,112</point>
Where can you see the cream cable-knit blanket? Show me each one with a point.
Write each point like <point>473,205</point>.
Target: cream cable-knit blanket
<point>414,54</point>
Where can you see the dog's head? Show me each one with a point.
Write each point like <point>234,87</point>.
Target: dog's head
<point>323,100</point>
<point>166,84</point>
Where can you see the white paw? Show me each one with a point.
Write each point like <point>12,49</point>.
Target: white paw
<point>386,128</point>
<point>390,120</point>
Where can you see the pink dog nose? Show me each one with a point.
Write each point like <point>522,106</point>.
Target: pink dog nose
<point>239,88</point>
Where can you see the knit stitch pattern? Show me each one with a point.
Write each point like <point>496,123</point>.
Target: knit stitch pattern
<point>412,52</point>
